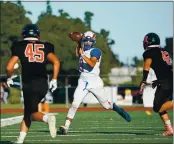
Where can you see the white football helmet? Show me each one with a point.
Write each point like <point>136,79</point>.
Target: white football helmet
<point>88,39</point>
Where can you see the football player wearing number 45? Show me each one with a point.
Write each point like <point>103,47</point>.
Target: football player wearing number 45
<point>33,55</point>
<point>90,81</point>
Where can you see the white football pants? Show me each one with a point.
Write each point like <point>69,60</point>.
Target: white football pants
<point>94,86</point>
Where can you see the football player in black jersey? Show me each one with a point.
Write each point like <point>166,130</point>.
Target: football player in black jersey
<point>158,59</point>
<point>33,55</point>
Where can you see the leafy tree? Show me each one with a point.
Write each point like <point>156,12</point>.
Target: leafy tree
<point>29,12</point>
<point>88,18</point>
<point>49,9</point>
<point>63,14</point>
<point>137,62</point>
<point>19,3</point>
<point>54,29</point>
<point>104,33</point>
<point>12,20</point>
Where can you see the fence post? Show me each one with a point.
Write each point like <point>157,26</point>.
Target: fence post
<point>66,92</point>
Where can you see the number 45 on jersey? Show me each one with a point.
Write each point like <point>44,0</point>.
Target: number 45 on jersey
<point>34,52</point>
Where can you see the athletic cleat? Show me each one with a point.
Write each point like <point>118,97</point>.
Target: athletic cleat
<point>122,113</point>
<point>63,130</point>
<point>169,130</point>
<point>19,141</point>
<point>167,133</point>
<point>52,125</point>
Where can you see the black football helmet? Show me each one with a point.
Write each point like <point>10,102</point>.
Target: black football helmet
<point>151,39</point>
<point>30,30</point>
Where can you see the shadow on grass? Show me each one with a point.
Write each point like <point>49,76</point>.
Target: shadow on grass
<point>6,142</point>
<point>119,133</point>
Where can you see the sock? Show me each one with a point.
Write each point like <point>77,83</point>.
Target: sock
<point>167,122</point>
<point>67,123</point>
<point>22,135</point>
<point>45,118</point>
<point>116,108</point>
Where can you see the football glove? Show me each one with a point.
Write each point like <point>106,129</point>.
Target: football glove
<point>155,83</point>
<point>53,85</point>
<point>142,85</point>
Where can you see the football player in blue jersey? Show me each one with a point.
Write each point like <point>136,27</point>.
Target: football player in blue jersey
<point>90,81</point>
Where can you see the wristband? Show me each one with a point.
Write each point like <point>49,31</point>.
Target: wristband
<point>145,74</point>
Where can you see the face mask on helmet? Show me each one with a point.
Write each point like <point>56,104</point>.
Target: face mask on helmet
<point>30,31</point>
<point>88,40</point>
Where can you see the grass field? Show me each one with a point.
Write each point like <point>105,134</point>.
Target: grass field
<point>9,106</point>
<point>96,127</point>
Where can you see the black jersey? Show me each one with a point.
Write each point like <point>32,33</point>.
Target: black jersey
<point>159,63</point>
<point>33,57</point>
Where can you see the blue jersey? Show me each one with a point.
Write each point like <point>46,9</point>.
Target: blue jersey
<point>86,68</point>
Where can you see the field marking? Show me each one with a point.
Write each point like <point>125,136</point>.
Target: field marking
<point>16,120</point>
<point>84,129</point>
<point>40,131</point>
<point>88,134</point>
<point>127,139</point>
<point>11,120</point>
<point>99,139</point>
<point>117,127</point>
<point>44,136</point>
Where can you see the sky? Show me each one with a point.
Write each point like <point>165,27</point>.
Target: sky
<point>127,22</point>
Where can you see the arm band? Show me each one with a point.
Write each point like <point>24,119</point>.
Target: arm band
<point>145,74</point>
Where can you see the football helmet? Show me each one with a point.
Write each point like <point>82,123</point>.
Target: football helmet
<point>30,30</point>
<point>88,40</point>
<point>150,40</point>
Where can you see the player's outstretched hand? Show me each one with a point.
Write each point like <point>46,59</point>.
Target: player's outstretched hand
<point>53,85</point>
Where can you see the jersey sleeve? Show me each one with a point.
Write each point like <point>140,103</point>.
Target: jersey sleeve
<point>96,53</point>
<point>148,54</point>
<point>14,50</point>
<point>50,48</point>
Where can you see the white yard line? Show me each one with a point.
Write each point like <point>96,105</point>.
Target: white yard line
<point>126,139</point>
<point>15,120</point>
<point>85,133</point>
<point>11,120</point>
<point>87,139</point>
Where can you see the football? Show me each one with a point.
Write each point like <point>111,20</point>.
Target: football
<point>75,36</point>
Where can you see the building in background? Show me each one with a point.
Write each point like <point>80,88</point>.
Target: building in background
<point>121,75</point>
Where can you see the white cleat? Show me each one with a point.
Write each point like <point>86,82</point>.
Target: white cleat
<point>63,130</point>
<point>19,141</point>
<point>52,125</point>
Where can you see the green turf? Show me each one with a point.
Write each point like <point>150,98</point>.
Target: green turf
<point>9,106</point>
<point>9,115</point>
<point>97,127</point>
<point>16,106</point>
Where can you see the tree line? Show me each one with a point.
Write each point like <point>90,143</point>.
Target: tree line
<point>54,29</point>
